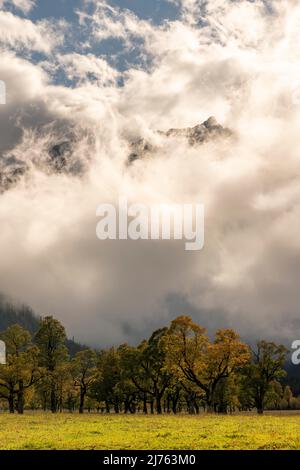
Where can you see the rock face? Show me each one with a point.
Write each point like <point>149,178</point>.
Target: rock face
<point>58,159</point>
<point>205,132</point>
<point>61,157</point>
<point>201,133</point>
<point>139,149</point>
<point>11,170</point>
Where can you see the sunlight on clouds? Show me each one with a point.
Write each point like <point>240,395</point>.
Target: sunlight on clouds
<point>228,59</point>
<point>88,67</point>
<point>19,33</point>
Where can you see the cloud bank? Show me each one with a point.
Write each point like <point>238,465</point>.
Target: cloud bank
<point>238,61</point>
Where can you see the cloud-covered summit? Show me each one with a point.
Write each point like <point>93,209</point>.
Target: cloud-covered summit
<point>80,89</point>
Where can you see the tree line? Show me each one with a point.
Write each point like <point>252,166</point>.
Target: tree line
<point>178,369</point>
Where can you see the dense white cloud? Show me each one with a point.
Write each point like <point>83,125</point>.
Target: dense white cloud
<point>88,67</point>
<point>228,59</point>
<point>21,33</point>
<point>110,22</point>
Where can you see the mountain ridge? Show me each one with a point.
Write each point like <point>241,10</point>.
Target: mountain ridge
<point>61,156</point>
<point>196,135</point>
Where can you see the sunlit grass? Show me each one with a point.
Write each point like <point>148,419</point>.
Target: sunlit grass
<point>64,431</point>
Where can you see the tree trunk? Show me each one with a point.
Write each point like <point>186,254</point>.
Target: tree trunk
<point>70,404</point>
<point>145,409</point>
<point>11,402</point>
<point>132,408</point>
<point>20,398</point>
<point>260,410</point>
<point>117,408</point>
<point>260,403</point>
<point>158,404</point>
<point>81,404</point>
<point>44,398</point>
<point>174,405</point>
<point>53,397</point>
<point>210,408</point>
<point>168,404</point>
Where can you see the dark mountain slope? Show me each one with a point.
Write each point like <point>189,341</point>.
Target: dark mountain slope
<point>24,316</point>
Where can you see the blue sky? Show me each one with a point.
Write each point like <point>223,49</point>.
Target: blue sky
<point>157,10</point>
<point>113,50</point>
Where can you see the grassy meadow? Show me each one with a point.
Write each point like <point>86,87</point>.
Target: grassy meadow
<point>102,432</point>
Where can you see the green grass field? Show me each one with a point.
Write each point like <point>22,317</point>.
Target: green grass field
<point>44,431</point>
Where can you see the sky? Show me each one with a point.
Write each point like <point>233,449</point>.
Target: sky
<point>104,73</point>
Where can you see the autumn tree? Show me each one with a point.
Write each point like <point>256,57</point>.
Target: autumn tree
<point>51,340</point>
<point>177,368</point>
<point>194,358</point>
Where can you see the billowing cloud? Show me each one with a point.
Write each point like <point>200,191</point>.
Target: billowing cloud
<point>113,22</point>
<point>88,67</point>
<point>21,33</point>
<point>238,61</point>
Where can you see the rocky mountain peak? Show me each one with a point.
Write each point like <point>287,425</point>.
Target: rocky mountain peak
<point>197,135</point>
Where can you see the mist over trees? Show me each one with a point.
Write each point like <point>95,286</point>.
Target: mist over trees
<point>179,369</point>
<point>11,314</point>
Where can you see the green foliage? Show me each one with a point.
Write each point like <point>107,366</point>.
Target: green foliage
<point>22,370</point>
<point>178,369</point>
<point>265,367</point>
<point>51,340</point>
<point>146,367</point>
<point>84,372</point>
<point>109,372</point>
